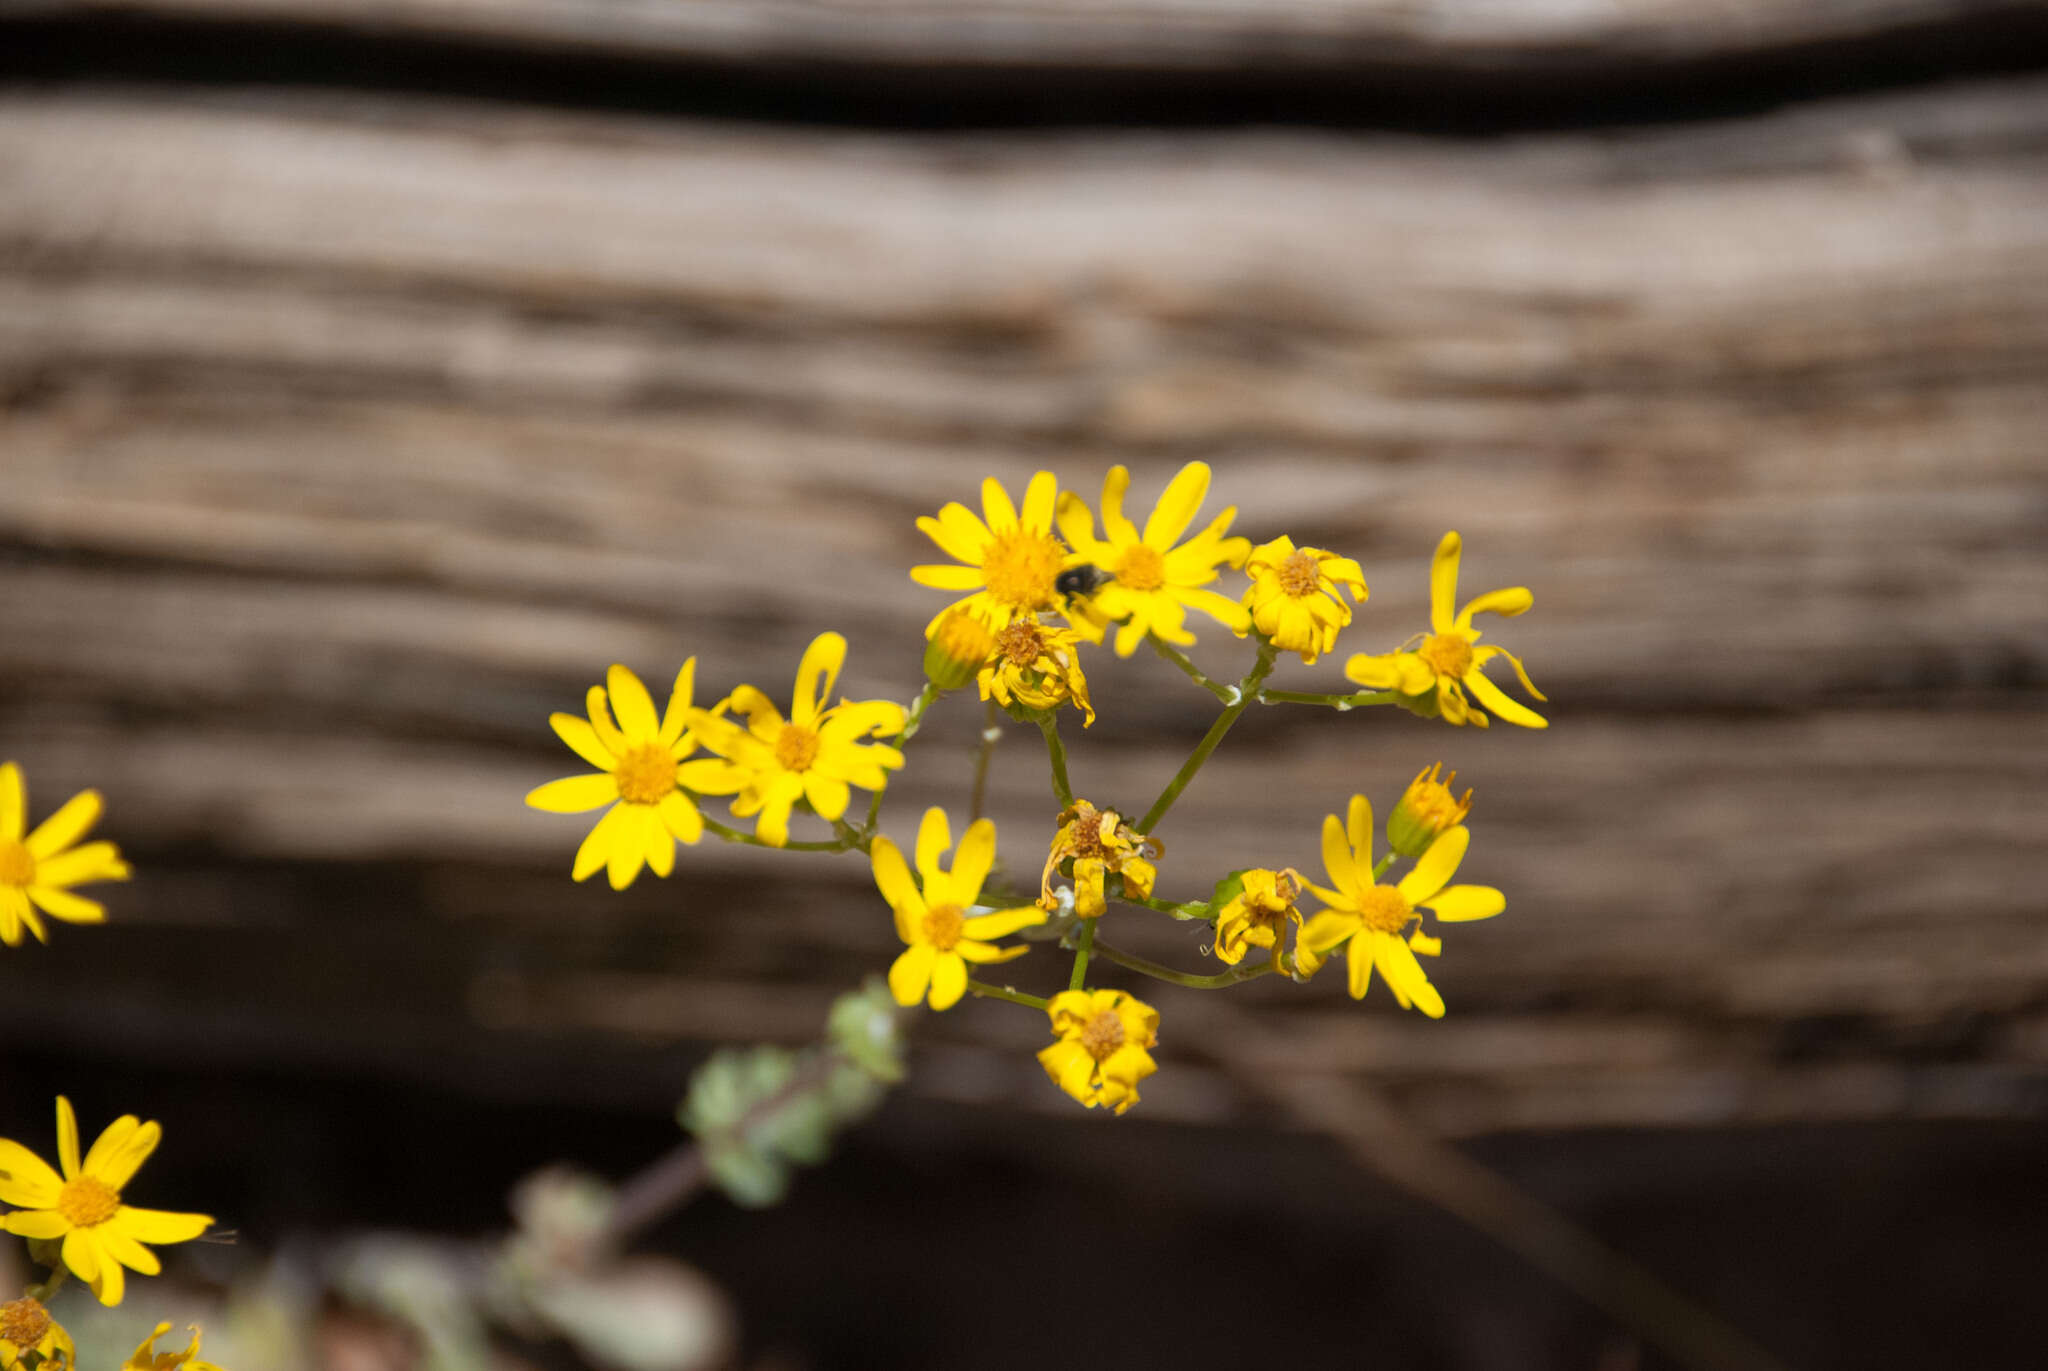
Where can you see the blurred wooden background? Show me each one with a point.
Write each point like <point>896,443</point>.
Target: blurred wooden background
<point>345,433</point>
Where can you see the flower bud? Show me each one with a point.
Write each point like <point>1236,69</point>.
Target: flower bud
<point>1425,811</point>
<point>960,644</point>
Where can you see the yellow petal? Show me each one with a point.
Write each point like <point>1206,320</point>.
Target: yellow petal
<point>1358,828</point>
<point>1514,711</point>
<point>1040,496</point>
<point>633,705</point>
<point>629,848</point>
<point>121,1149</point>
<point>596,849</point>
<point>1358,963</point>
<point>1003,922</point>
<point>62,904</point>
<point>1506,603</point>
<point>81,1254</point>
<point>1443,583</point>
<point>1337,855</point>
<point>949,980</point>
<point>582,740</point>
<point>1436,867</point>
<point>598,706</point>
<point>574,794</point>
<point>118,1246</point>
<point>892,878</point>
<point>36,1223</point>
<point>1118,529</point>
<point>987,953</point>
<point>65,827</point>
<point>777,798</point>
<point>940,576</point>
<point>161,1225</point>
<point>657,843</point>
<point>676,717</point>
<point>972,862</point>
<point>1326,930</point>
<point>957,532</point>
<point>680,817</point>
<point>13,802</point>
<point>91,862</point>
<point>26,1179</point>
<point>1464,903</point>
<point>828,795</point>
<point>1077,525</point>
<point>910,974</point>
<point>856,719</point>
<point>815,677</point>
<point>934,836</point>
<point>1405,977</point>
<point>1177,507</point>
<point>67,1140</point>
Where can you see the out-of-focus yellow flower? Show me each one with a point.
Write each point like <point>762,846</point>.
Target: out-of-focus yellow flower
<point>25,1327</point>
<point>1295,597</point>
<point>38,871</point>
<point>638,761</point>
<point>1258,915</point>
<point>814,755</point>
<point>1153,583</point>
<point>1425,810</point>
<point>1099,843</point>
<point>1102,1052</point>
<point>1038,666</point>
<point>1011,561</point>
<point>961,644</point>
<point>83,1206</point>
<point>941,936</point>
<point>1374,917</point>
<point>1437,669</point>
<point>147,1358</point>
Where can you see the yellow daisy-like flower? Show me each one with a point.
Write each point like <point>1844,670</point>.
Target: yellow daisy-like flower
<point>1373,918</point>
<point>25,1327</point>
<point>1445,663</point>
<point>637,759</point>
<point>1039,667</point>
<point>1012,561</point>
<point>1100,844</point>
<point>38,871</point>
<point>147,1358</point>
<point>1425,810</point>
<point>1295,597</point>
<point>83,1206</point>
<point>958,647</point>
<point>1102,1052</point>
<point>1154,583</point>
<point>941,936</point>
<point>1258,915</point>
<point>813,755</point>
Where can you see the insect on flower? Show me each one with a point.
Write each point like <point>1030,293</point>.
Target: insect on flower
<point>1079,582</point>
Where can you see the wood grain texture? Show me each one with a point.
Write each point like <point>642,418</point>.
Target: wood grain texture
<point>343,440</point>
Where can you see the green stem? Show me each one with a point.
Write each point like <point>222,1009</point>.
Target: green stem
<point>1243,971</point>
<point>59,1274</point>
<point>733,835</point>
<point>1005,992</point>
<point>911,722</point>
<point>1194,673</point>
<point>1338,702</point>
<point>989,734</point>
<point>1081,951</point>
<point>1247,690</point>
<point>1186,909</point>
<point>1379,868</point>
<point>1062,789</point>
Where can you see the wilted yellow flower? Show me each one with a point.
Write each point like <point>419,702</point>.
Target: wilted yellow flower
<point>814,755</point>
<point>1295,596</point>
<point>1374,917</point>
<point>1100,843</point>
<point>25,1327</point>
<point>941,936</point>
<point>1258,915</point>
<point>83,1206</point>
<point>961,644</point>
<point>638,760</point>
<point>1012,560</point>
<point>1153,583</point>
<point>38,871</point>
<point>1425,810</point>
<point>1437,668</point>
<point>147,1358</point>
<point>1038,666</point>
<point>1102,1051</point>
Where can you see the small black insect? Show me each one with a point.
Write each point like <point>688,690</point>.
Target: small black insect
<point>1082,580</point>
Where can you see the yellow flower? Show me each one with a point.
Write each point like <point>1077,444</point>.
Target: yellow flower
<point>1445,661</point>
<point>637,761</point>
<point>941,936</point>
<point>1038,666</point>
<point>1011,561</point>
<point>1374,917</point>
<point>147,1358</point>
<point>37,871</point>
<point>83,1206</point>
<point>1099,843</point>
<point>959,647</point>
<point>1258,914</point>
<point>1154,583</point>
<point>25,1327</point>
<point>1101,1053</point>
<point>814,755</point>
<point>1425,810</point>
<point>1294,596</point>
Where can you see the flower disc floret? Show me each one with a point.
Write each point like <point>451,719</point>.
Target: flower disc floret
<point>1258,915</point>
<point>82,1207</point>
<point>1297,595</point>
<point>1099,844</point>
<point>939,935</point>
<point>1154,582</point>
<point>38,869</point>
<point>1037,666</point>
<point>25,1327</point>
<point>1105,1037</point>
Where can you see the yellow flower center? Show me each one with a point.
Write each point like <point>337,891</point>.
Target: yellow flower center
<point>1300,574</point>
<point>646,775</point>
<point>1448,655</point>
<point>796,748</point>
<point>86,1202</point>
<point>942,926</point>
<point>1020,567</point>
<point>1141,568</point>
<point>17,864</point>
<point>1084,834</point>
<point>1103,1035</point>
<point>23,1322</point>
<point>1383,910</point>
<point>1022,643</point>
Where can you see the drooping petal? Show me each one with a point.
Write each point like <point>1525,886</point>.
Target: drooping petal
<point>1433,871</point>
<point>1464,903</point>
<point>988,953</point>
<point>815,677</point>
<point>13,802</point>
<point>1481,656</point>
<point>62,904</point>
<point>1337,856</point>
<point>1506,603</point>
<point>1040,496</point>
<point>596,848</point>
<point>161,1225</point>
<point>1358,965</point>
<point>67,1138</point>
<point>81,1254</point>
<point>680,817</point>
<point>911,973</point>
<point>629,848</point>
<point>1003,922</point>
<point>934,836</point>
<point>1405,977</point>
<point>26,1179</point>
<point>1177,506</point>
<point>1491,697</point>
<point>633,705</point>
<point>949,980</point>
<point>121,1149</point>
<point>677,716</point>
<point>777,798</point>
<point>972,862</point>
<point>574,794</point>
<point>658,843</point>
<point>1443,583</point>
<point>110,1282</point>
<point>65,827</point>
<point>118,1246</point>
